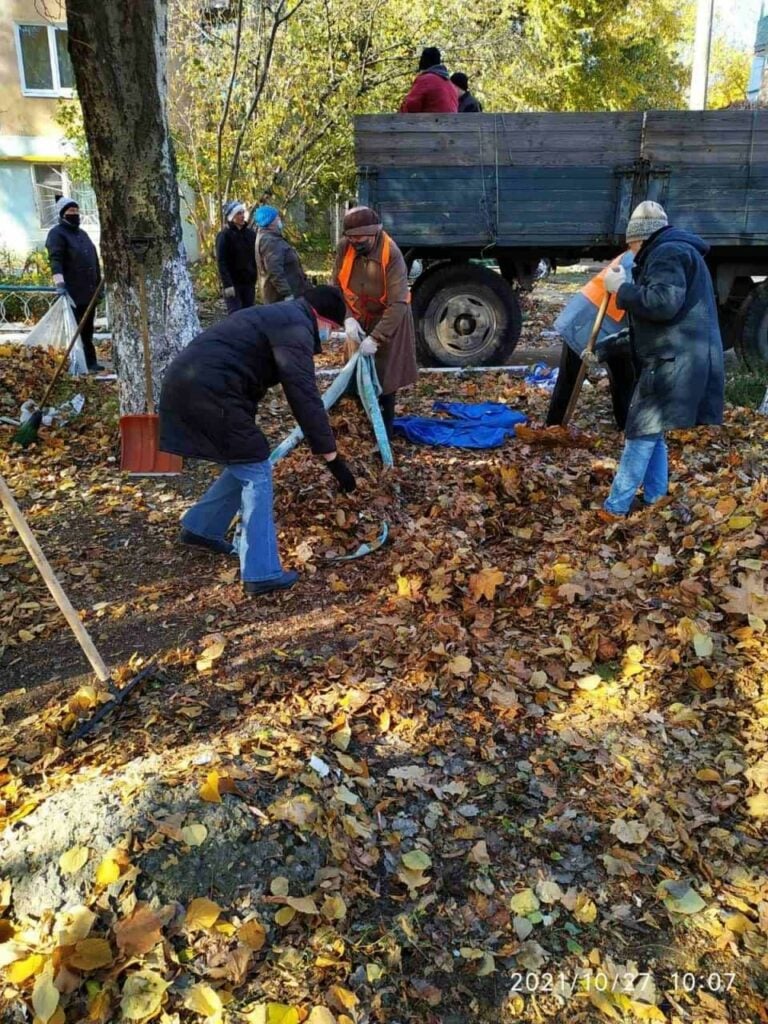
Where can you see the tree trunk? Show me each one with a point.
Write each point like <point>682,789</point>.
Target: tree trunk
<point>118,51</point>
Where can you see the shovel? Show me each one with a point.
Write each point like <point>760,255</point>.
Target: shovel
<point>590,347</point>
<point>140,433</point>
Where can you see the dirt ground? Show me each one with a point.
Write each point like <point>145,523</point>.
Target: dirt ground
<point>510,767</point>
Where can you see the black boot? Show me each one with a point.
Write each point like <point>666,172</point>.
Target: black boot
<point>218,547</point>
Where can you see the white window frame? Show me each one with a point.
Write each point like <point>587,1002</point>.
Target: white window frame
<point>53,56</point>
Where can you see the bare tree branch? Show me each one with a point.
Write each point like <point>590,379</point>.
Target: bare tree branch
<point>225,109</point>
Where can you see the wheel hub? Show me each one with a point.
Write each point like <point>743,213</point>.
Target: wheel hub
<point>465,323</point>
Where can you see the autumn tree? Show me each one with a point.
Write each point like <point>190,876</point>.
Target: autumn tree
<point>118,52</point>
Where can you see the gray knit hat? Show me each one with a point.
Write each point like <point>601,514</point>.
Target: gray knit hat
<point>64,203</point>
<point>646,220</point>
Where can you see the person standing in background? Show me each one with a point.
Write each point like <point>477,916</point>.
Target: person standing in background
<point>236,258</point>
<point>467,102</point>
<point>281,275</point>
<point>76,271</point>
<point>431,92</point>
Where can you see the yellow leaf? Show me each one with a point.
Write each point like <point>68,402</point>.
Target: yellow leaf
<point>205,1000</point>
<point>739,522</point>
<point>585,910</point>
<point>209,655</point>
<point>284,916</point>
<point>272,1013</point>
<point>485,582</point>
<point>90,954</point>
<point>417,860</point>
<point>5,893</point>
<point>757,805</point>
<point>321,1015</point>
<point>342,997</point>
<point>252,934</point>
<point>45,995</point>
<point>334,908</point>
<point>18,972</point>
<point>74,860</point>
<point>209,791</point>
<point>194,834</point>
<point>280,886</point>
<point>107,872</point>
<point>202,913</point>
<point>143,993</point>
<point>646,1011</point>
<point>708,775</point>
<point>701,678</point>
<point>460,665</point>
<point>302,904</point>
<point>341,738</point>
<point>75,925</point>
<point>299,810</point>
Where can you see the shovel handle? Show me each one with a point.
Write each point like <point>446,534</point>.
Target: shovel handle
<point>571,407</point>
<point>145,342</point>
<point>57,591</point>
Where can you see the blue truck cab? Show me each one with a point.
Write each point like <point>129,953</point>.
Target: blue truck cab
<point>457,190</point>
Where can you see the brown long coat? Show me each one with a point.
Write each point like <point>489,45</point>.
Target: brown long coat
<point>391,325</point>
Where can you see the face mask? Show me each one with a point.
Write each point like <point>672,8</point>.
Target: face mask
<point>363,246</point>
<point>73,219</point>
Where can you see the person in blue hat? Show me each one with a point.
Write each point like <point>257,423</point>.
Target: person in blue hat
<point>281,275</point>
<point>236,258</point>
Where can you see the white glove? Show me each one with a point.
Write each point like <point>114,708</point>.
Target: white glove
<point>353,330</point>
<point>614,279</point>
<point>229,293</point>
<point>368,346</point>
<point>588,356</point>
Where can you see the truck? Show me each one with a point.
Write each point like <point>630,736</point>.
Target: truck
<point>479,200</point>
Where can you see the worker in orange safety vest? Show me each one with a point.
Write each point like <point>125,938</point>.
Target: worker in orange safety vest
<point>372,274</point>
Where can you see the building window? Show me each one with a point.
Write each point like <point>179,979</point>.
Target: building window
<point>52,181</point>
<point>44,65</point>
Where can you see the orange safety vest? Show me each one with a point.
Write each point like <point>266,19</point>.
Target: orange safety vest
<point>594,290</point>
<point>346,273</point>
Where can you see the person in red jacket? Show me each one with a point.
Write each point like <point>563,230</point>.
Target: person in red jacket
<point>432,91</point>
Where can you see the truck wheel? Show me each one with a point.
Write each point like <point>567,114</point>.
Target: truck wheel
<point>465,316</point>
<point>752,340</point>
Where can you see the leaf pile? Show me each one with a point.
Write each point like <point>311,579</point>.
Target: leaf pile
<point>510,768</point>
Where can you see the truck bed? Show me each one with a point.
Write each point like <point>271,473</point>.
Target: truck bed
<point>560,183</point>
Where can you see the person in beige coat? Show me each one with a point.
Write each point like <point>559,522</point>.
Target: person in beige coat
<point>372,274</point>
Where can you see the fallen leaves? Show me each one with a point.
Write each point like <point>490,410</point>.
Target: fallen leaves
<point>140,932</point>
<point>202,913</point>
<point>74,860</point>
<point>143,994</point>
<point>485,583</point>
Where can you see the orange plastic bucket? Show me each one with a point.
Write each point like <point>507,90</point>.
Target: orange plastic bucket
<point>139,451</point>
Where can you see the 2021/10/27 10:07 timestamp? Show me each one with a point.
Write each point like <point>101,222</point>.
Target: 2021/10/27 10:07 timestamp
<point>559,983</point>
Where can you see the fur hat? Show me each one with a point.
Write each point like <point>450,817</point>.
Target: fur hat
<point>361,217</point>
<point>64,203</point>
<point>430,57</point>
<point>265,215</point>
<point>646,220</point>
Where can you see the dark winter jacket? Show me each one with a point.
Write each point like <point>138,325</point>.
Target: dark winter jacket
<point>469,105</point>
<point>235,255</point>
<point>213,387</point>
<point>280,271</point>
<point>73,254</point>
<point>674,336</point>
<point>432,92</point>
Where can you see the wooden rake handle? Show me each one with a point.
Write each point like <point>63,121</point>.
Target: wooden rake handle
<point>57,591</point>
<point>573,401</point>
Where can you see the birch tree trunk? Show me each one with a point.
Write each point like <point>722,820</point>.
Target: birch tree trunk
<point>118,51</point>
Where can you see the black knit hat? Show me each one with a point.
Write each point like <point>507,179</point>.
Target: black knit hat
<point>430,56</point>
<point>328,302</point>
<point>460,80</point>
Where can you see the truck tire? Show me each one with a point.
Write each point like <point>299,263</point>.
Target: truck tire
<point>465,316</point>
<point>752,340</point>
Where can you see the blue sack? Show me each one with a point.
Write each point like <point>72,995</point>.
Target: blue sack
<point>451,433</point>
<point>489,414</point>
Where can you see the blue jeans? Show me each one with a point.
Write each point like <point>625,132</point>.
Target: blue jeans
<point>643,461</point>
<point>247,487</point>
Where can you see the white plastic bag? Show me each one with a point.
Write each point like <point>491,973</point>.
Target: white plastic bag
<point>55,331</point>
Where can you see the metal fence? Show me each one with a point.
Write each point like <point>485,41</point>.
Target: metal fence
<point>21,306</point>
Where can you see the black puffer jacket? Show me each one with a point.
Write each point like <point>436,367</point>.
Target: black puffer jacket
<point>236,255</point>
<point>213,387</point>
<point>280,269</point>
<point>73,254</point>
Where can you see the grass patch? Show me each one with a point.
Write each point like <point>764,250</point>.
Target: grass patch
<point>745,387</point>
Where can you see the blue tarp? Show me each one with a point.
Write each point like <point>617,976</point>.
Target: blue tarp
<point>484,425</point>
